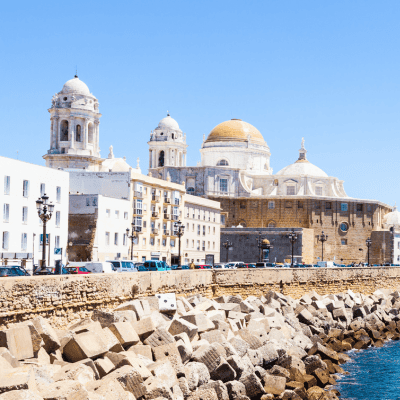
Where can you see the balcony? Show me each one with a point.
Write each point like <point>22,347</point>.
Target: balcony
<point>154,231</point>
<point>167,200</point>
<point>167,216</point>
<point>176,202</point>
<point>166,233</point>
<point>155,198</point>
<point>137,211</point>
<point>138,195</point>
<point>154,214</point>
<point>175,217</point>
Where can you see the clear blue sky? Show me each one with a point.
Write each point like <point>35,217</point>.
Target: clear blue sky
<point>325,70</point>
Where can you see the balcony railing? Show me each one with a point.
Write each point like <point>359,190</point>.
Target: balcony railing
<point>167,200</point>
<point>137,194</point>
<point>155,198</point>
<point>154,214</point>
<point>166,232</point>
<point>154,231</point>
<point>167,216</point>
<point>175,217</point>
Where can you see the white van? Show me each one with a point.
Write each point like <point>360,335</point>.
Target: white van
<point>100,267</point>
<point>326,264</point>
<point>123,266</point>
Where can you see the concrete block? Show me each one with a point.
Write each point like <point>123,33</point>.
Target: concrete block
<point>165,351</point>
<point>274,384</point>
<point>48,334</point>
<point>252,384</point>
<point>60,390</point>
<point>18,341</point>
<point>207,355</point>
<point>202,322</point>
<point>250,337</point>
<point>197,374</point>
<point>157,388</point>
<point>125,333</point>
<point>42,357</point>
<point>104,366</point>
<point>185,351</point>
<point>144,328</point>
<point>106,318</point>
<point>223,372</point>
<point>110,390</point>
<point>204,394</point>
<point>110,340</point>
<point>5,353</point>
<point>5,365</point>
<point>136,306</point>
<point>164,370</point>
<point>181,325</point>
<point>129,358</point>
<point>129,379</point>
<point>84,345</point>
<point>239,345</point>
<point>167,302</point>
<point>144,350</point>
<point>219,387</point>
<point>21,395</point>
<point>236,390</point>
<point>159,337</point>
<point>75,372</point>
<point>223,327</point>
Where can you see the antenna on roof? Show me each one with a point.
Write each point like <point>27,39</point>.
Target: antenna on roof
<point>168,114</point>
<point>76,71</point>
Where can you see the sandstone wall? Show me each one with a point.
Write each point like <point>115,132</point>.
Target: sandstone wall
<point>68,297</point>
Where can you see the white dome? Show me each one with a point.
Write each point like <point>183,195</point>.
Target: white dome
<point>393,218</point>
<point>168,123</point>
<point>75,85</point>
<point>302,167</point>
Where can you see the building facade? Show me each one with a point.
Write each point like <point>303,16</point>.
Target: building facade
<point>202,230</point>
<point>21,228</point>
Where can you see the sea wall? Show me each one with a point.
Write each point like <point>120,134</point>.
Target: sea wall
<point>68,297</point>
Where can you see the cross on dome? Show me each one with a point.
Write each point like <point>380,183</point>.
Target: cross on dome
<point>302,151</point>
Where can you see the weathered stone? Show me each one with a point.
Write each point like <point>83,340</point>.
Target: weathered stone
<point>144,328</point>
<point>252,384</point>
<point>219,387</point>
<point>203,323</point>
<point>197,374</point>
<point>124,333</point>
<point>104,366</point>
<point>84,345</point>
<point>21,395</point>
<point>60,390</point>
<point>129,379</point>
<point>144,350</point>
<point>183,326</point>
<point>159,337</point>
<point>76,372</point>
<point>274,384</point>
<point>236,390</point>
<point>48,334</point>
<point>17,379</point>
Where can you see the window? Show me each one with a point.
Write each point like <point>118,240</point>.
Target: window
<point>187,242</point>
<point>116,238</point>
<point>223,185</point>
<point>158,242</point>
<point>116,214</point>
<point>125,215</point>
<point>172,242</point>
<point>209,229</point>
<point>344,242</point>
<point>318,190</point>
<point>198,229</point>
<point>192,244</point>
<point>57,242</point>
<point>58,194</point>
<point>203,245</point>
<point>359,207</point>
<point>58,218</point>
<point>214,230</point>
<point>125,239</point>
<point>152,241</point>
<point>242,205</point>
<point>343,206</point>
<point>299,204</point>
<point>190,190</point>
<point>25,189</point>
<point>138,207</point>
<point>208,245</point>
<point>164,242</point>
<point>271,205</point>
<point>6,237</point>
<point>271,225</point>
<point>24,241</point>
<point>222,163</point>
<point>318,205</point>
<point>108,213</point>
<point>6,212</point>
<point>137,223</point>
<point>288,204</point>
<point>290,190</point>
<point>24,215</point>
<point>7,181</point>
<point>64,131</point>
<point>107,238</point>
<point>204,230</point>
<point>144,242</point>
<point>198,245</point>
<point>369,208</point>
<point>213,245</point>
<point>344,226</point>
<point>94,202</point>
<point>42,189</point>
<point>328,205</point>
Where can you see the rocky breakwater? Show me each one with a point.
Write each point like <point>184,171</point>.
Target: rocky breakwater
<point>194,348</point>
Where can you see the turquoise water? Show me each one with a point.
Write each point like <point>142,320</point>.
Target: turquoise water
<point>374,374</point>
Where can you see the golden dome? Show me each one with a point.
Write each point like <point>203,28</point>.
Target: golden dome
<point>235,130</point>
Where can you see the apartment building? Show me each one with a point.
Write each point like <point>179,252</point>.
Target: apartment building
<point>202,219</point>
<point>21,228</point>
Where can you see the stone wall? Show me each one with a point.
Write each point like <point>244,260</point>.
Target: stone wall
<point>65,298</point>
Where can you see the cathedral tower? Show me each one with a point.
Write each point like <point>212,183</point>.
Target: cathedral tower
<point>74,132</point>
<point>167,145</point>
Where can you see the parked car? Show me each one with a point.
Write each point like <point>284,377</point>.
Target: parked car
<point>176,267</point>
<point>234,264</point>
<point>166,266</point>
<point>265,265</point>
<point>77,270</point>
<point>141,267</point>
<point>100,267</point>
<point>24,272</point>
<point>123,266</point>
<point>250,265</point>
<point>219,266</point>
<point>6,270</point>
<point>154,265</point>
<point>46,271</point>
<point>203,266</point>
<point>185,266</point>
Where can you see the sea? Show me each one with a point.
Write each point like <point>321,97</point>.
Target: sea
<point>374,374</point>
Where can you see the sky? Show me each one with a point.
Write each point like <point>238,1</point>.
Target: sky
<point>328,71</point>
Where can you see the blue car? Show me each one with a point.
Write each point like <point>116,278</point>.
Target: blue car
<point>155,265</point>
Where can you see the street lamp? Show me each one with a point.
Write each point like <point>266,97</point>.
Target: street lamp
<point>259,245</point>
<point>368,242</point>
<point>45,211</point>
<point>135,229</point>
<point>292,236</point>
<point>227,244</point>
<point>179,231</point>
<point>323,238</point>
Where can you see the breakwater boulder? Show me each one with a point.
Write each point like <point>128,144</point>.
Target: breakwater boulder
<point>195,348</point>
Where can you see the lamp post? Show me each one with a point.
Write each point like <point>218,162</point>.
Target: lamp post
<point>45,211</point>
<point>259,245</point>
<point>368,242</point>
<point>322,238</point>
<point>179,231</point>
<point>134,234</point>
<point>227,244</point>
<point>292,236</point>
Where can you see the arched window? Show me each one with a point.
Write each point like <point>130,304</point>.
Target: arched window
<point>222,163</point>
<point>90,133</point>
<point>190,190</point>
<point>64,131</point>
<point>173,136</point>
<point>161,159</point>
<point>78,136</point>
<point>271,224</point>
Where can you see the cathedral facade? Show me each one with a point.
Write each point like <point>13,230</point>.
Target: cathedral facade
<point>235,170</point>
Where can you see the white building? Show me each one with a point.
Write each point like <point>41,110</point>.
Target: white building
<point>202,229</point>
<point>21,228</point>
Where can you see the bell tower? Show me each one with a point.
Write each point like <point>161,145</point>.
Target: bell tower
<point>74,130</point>
<point>167,145</point>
